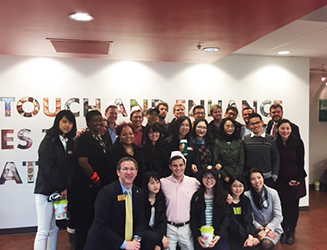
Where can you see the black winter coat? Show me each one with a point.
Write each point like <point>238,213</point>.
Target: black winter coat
<point>55,165</point>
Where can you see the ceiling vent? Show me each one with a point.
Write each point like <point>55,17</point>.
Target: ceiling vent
<point>81,46</point>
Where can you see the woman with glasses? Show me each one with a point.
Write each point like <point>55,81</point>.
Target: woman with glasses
<point>241,232</point>
<point>228,152</point>
<point>209,208</point>
<point>203,141</point>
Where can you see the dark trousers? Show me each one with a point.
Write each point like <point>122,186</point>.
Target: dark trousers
<point>270,182</point>
<point>82,202</point>
<point>290,210</point>
<point>151,239</point>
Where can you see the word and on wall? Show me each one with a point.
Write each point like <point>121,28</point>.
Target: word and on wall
<point>10,171</point>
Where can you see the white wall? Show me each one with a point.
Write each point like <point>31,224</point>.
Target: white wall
<point>318,130</point>
<point>236,78</point>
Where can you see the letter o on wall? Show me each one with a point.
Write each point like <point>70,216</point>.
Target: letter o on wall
<point>20,108</point>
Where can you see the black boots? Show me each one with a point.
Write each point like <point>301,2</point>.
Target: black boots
<point>290,238</point>
<point>287,237</point>
<point>283,238</point>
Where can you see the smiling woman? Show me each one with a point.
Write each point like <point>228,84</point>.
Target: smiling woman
<point>54,175</point>
<point>228,152</point>
<point>291,178</point>
<point>208,207</point>
<point>267,212</point>
<point>90,176</point>
<point>124,147</point>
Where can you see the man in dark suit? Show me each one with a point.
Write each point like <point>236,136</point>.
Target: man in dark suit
<point>108,228</point>
<point>276,114</point>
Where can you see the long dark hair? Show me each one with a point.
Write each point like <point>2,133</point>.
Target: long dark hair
<point>255,170</point>
<point>155,150</point>
<point>223,135</point>
<point>291,141</point>
<point>160,198</point>
<point>208,137</point>
<point>177,125</point>
<point>55,127</point>
<point>220,196</point>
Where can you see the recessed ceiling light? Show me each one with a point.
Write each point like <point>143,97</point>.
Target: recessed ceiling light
<point>211,49</point>
<point>284,52</point>
<point>81,17</point>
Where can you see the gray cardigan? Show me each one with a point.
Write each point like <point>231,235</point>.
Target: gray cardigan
<point>268,217</point>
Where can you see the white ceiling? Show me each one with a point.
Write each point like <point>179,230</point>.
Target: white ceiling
<point>306,37</point>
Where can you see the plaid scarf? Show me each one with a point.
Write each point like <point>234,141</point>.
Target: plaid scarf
<point>260,200</point>
<point>205,154</point>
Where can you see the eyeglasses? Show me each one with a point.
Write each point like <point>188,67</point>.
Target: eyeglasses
<point>208,177</point>
<point>255,123</point>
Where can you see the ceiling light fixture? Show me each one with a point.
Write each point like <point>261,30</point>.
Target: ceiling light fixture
<point>321,71</point>
<point>284,52</point>
<point>81,17</point>
<point>211,49</point>
<point>324,77</point>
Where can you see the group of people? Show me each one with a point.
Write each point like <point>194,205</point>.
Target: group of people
<point>131,186</point>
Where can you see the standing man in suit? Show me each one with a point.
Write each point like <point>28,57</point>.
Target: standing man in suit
<point>111,228</point>
<point>276,114</point>
<point>111,113</point>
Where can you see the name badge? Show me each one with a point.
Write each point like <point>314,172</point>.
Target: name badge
<point>121,197</point>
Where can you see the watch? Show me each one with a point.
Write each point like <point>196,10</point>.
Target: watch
<point>266,230</point>
<point>137,238</point>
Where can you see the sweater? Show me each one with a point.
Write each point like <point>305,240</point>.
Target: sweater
<point>261,152</point>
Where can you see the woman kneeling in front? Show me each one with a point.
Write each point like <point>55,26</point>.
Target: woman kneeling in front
<point>267,212</point>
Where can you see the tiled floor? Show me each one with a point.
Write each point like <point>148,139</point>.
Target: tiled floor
<point>311,232</point>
